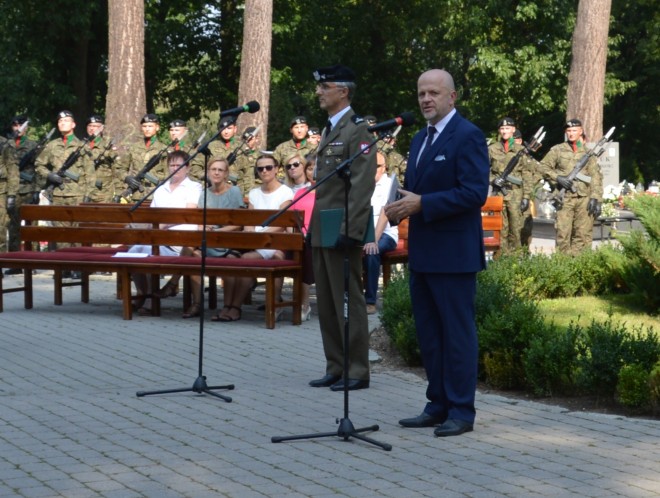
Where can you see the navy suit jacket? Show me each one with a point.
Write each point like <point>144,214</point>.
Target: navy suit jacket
<point>446,235</point>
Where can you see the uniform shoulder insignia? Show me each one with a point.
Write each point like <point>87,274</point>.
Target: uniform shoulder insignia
<point>357,119</point>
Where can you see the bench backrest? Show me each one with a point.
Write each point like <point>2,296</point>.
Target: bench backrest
<point>119,225</point>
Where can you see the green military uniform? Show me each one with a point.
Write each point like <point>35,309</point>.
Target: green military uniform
<point>287,149</point>
<point>27,184</point>
<point>243,168</point>
<point>137,157</point>
<point>574,224</point>
<point>196,171</point>
<point>519,186</point>
<point>221,149</point>
<point>109,181</point>
<point>396,163</point>
<point>344,140</point>
<point>8,188</point>
<point>78,180</point>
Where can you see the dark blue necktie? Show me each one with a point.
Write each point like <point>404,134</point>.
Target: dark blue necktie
<point>430,133</point>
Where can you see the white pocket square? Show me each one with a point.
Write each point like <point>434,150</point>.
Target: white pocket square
<point>439,158</point>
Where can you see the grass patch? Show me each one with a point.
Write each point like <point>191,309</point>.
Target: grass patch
<point>584,309</point>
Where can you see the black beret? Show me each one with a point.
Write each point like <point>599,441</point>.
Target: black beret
<point>228,121</point>
<point>313,131</point>
<point>298,120</point>
<point>249,132</point>
<point>371,120</point>
<point>95,118</point>
<point>517,134</point>
<point>64,114</point>
<point>506,122</point>
<point>177,123</point>
<point>572,123</point>
<point>334,73</point>
<point>150,118</point>
<point>20,119</point>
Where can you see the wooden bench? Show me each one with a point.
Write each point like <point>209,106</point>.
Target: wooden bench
<point>491,221</point>
<point>117,225</point>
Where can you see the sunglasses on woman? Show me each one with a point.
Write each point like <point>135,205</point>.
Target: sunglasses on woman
<point>293,165</point>
<point>261,169</point>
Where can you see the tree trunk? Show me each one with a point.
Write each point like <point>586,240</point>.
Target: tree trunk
<point>126,101</point>
<point>586,80</point>
<point>254,82</point>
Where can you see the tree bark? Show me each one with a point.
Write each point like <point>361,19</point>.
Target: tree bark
<point>254,82</point>
<point>586,80</point>
<point>126,101</point>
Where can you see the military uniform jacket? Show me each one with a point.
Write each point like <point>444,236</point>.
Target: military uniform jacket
<point>108,173</point>
<point>79,178</point>
<point>18,182</point>
<point>344,140</point>
<point>522,176</point>
<point>289,148</point>
<point>560,161</point>
<point>138,156</point>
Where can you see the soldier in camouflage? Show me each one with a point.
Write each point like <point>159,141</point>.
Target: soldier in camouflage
<point>73,186</point>
<point>9,184</point>
<point>396,163</point>
<point>138,156</point>
<point>575,220</point>
<point>179,131</point>
<point>246,160</point>
<point>105,159</point>
<point>298,143</point>
<point>26,191</point>
<point>519,184</point>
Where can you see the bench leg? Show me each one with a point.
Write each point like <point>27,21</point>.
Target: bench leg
<point>27,292</point>
<point>127,306</point>
<point>270,302</point>
<point>84,287</point>
<point>297,296</point>
<point>387,272</point>
<point>57,278</point>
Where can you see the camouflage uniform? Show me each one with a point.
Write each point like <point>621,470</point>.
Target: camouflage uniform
<point>109,181</point>
<point>287,149</point>
<point>137,157</point>
<point>519,187</point>
<point>244,169</point>
<point>574,224</point>
<point>196,171</point>
<point>27,184</point>
<point>396,163</point>
<point>8,188</point>
<point>78,180</point>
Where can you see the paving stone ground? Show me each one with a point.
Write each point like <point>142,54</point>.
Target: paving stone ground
<point>72,426</point>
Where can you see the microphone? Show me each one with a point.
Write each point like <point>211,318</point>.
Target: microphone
<point>405,119</point>
<point>250,107</point>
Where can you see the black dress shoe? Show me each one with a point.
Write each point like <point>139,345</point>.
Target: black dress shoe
<point>452,427</point>
<point>353,385</point>
<point>422,420</point>
<point>13,271</point>
<point>326,381</point>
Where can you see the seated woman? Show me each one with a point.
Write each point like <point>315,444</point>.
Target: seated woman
<point>271,194</point>
<point>178,192</point>
<point>220,195</point>
<point>297,179</point>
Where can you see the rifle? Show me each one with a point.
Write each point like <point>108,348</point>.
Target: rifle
<point>30,157</point>
<point>97,161</point>
<point>63,171</point>
<point>500,183</point>
<point>231,158</point>
<point>196,143</point>
<point>144,174</point>
<point>596,151</point>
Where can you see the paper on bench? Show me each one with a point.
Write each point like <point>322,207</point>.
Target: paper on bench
<point>131,255</point>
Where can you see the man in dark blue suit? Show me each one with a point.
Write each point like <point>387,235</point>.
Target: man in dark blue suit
<point>446,184</point>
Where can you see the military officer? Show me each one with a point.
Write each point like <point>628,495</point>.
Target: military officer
<point>518,183</point>
<point>575,220</point>
<point>345,135</point>
<point>140,153</point>
<point>26,191</point>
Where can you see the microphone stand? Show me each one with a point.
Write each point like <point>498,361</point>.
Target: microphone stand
<point>200,385</point>
<point>346,428</point>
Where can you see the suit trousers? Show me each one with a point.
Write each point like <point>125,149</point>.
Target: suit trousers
<point>444,311</point>
<point>329,275</point>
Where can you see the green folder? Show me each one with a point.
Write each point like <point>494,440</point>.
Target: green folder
<point>331,222</point>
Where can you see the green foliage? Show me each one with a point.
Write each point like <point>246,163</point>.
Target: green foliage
<point>398,320</point>
<point>639,264</point>
<point>633,386</point>
<point>550,362</point>
<point>654,388</point>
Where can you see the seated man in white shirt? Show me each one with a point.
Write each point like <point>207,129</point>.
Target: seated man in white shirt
<point>178,192</point>
<point>386,236</point>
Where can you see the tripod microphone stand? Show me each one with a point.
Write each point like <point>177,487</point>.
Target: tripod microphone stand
<point>200,385</point>
<point>346,429</point>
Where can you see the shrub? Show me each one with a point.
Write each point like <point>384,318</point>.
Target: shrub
<point>397,318</point>
<point>550,362</point>
<point>633,386</point>
<point>654,388</point>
